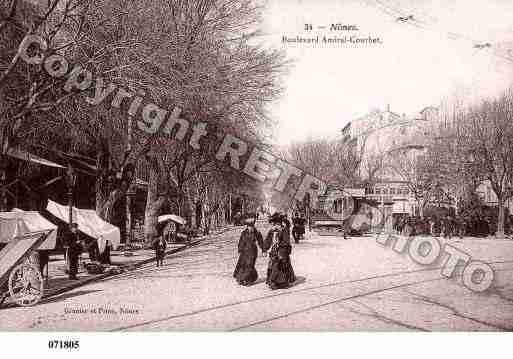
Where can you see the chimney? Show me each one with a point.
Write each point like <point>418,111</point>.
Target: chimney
<point>388,107</point>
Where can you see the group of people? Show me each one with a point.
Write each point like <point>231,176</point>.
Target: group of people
<point>447,226</point>
<point>75,245</point>
<point>276,245</point>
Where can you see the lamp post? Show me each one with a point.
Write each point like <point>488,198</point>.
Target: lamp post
<point>3,183</point>
<point>306,203</point>
<point>71,180</point>
<point>130,193</point>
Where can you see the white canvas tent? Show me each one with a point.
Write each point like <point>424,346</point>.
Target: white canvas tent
<point>89,223</point>
<point>18,223</point>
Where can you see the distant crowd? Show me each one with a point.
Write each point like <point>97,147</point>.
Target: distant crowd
<point>447,226</point>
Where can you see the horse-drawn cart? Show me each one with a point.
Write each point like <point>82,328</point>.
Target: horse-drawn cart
<point>19,278</point>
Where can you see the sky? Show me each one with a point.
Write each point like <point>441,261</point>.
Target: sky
<point>417,64</point>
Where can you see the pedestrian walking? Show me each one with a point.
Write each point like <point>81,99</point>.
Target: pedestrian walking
<point>280,273</point>
<point>245,272</point>
<point>448,227</point>
<point>74,250</point>
<point>462,225</point>
<point>400,224</point>
<point>160,250</point>
<point>432,225</point>
<point>298,227</point>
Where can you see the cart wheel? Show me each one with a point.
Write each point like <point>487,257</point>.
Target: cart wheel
<point>26,285</point>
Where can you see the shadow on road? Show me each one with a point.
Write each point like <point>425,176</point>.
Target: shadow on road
<point>258,281</point>
<point>67,296</point>
<point>299,280</point>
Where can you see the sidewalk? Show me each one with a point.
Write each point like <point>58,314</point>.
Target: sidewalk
<point>59,282</point>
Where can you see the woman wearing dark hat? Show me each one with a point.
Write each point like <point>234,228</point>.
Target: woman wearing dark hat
<point>280,273</point>
<point>245,272</point>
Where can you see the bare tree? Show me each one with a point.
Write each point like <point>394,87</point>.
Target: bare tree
<point>484,134</point>
<point>419,173</point>
<point>206,53</point>
<point>334,161</point>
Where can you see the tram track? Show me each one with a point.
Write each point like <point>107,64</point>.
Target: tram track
<point>362,295</point>
<point>303,290</point>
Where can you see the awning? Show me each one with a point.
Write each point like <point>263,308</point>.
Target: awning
<point>89,223</point>
<point>19,222</point>
<point>29,157</point>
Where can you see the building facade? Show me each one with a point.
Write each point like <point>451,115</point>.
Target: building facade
<point>376,136</point>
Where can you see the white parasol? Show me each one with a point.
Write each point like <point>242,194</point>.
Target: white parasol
<point>172,217</point>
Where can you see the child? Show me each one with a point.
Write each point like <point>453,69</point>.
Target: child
<point>160,250</point>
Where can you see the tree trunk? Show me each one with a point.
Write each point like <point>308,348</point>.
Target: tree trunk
<point>230,207</point>
<point>100,198</point>
<point>500,218</point>
<point>102,190</point>
<point>151,218</point>
<point>154,203</point>
<point>198,214</point>
<point>204,219</point>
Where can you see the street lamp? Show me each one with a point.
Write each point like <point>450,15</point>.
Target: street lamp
<point>130,194</point>
<point>128,183</point>
<point>3,183</point>
<point>71,180</point>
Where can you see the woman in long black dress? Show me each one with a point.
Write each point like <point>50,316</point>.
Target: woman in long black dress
<point>245,272</point>
<point>280,273</point>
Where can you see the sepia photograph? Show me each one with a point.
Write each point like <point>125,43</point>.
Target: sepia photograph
<point>255,166</point>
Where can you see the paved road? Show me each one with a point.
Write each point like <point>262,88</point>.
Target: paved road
<point>349,285</point>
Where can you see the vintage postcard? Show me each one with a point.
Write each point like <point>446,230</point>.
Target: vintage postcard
<point>250,165</point>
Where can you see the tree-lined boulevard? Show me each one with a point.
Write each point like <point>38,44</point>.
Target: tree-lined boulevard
<point>141,127</point>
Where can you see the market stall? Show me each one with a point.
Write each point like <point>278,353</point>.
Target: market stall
<point>89,223</point>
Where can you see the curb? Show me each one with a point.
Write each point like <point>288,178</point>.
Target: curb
<point>126,267</point>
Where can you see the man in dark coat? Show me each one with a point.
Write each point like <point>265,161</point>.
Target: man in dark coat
<point>448,227</point>
<point>245,272</point>
<point>74,250</point>
<point>93,250</point>
<point>280,273</point>
<point>298,229</point>
<point>159,245</point>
